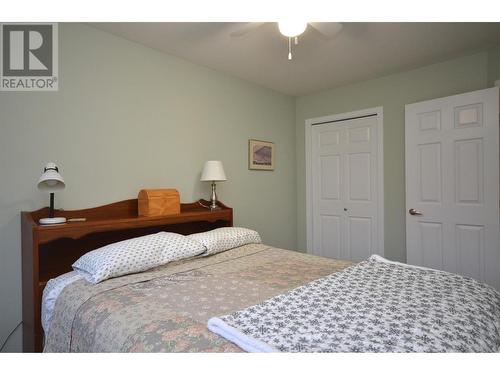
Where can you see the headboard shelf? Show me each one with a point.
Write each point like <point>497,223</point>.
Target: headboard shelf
<point>49,250</point>
<point>118,219</point>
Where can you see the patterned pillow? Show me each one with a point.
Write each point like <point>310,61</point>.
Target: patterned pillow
<point>135,255</point>
<point>178,246</point>
<point>223,239</point>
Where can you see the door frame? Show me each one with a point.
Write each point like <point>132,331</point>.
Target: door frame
<point>309,123</point>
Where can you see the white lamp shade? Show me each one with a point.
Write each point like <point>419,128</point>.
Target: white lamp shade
<point>51,180</point>
<point>213,171</point>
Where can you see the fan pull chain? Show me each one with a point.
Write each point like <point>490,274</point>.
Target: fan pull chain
<point>295,41</point>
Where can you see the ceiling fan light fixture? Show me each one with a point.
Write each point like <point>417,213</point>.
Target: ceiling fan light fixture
<point>292,28</point>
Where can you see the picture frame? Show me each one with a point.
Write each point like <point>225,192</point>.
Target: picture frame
<point>261,155</point>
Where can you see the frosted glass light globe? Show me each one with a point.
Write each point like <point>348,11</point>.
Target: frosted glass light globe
<point>292,28</point>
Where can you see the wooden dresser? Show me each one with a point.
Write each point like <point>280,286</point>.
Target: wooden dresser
<point>49,250</point>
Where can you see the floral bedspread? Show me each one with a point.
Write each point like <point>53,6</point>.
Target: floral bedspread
<point>167,309</point>
<point>373,306</point>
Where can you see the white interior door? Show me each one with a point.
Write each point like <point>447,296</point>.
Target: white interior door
<point>452,186</point>
<point>345,163</point>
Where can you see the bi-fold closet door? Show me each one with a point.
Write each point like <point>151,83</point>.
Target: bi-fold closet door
<point>346,215</point>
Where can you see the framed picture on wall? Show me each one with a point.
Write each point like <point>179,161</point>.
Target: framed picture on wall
<point>261,155</point>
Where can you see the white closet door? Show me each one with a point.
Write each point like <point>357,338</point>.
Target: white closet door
<point>452,185</point>
<point>344,158</point>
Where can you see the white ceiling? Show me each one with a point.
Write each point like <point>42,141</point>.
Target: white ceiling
<point>360,51</point>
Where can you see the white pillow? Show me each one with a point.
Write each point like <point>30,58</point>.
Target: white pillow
<point>135,255</point>
<point>226,238</point>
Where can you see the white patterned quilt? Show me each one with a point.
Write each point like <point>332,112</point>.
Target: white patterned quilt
<point>374,306</point>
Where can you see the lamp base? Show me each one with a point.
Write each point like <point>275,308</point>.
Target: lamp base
<point>213,199</point>
<point>52,220</point>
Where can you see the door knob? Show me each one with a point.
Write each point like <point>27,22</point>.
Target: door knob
<point>412,211</point>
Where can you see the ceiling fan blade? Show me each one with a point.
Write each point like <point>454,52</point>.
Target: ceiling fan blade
<point>327,29</point>
<point>246,28</point>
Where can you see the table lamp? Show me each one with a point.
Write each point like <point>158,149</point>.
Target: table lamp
<point>213,171</point>
<point>51,181</point>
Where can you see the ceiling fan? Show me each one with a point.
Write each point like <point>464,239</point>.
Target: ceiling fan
<point>292,29</point>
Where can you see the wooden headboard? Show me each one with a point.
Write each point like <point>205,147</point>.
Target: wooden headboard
<point>49,250</point>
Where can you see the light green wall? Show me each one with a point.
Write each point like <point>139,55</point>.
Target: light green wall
<point>392,93</point>
<point>128,117</point>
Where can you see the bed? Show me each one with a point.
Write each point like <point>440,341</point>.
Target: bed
<point>257,298</point>
<point>167,309</point>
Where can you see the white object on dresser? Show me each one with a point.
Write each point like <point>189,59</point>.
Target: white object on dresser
<point>452,185</point>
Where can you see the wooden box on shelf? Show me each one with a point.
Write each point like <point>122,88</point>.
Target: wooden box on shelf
<point>49,250</point>
<point>159,202</point>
